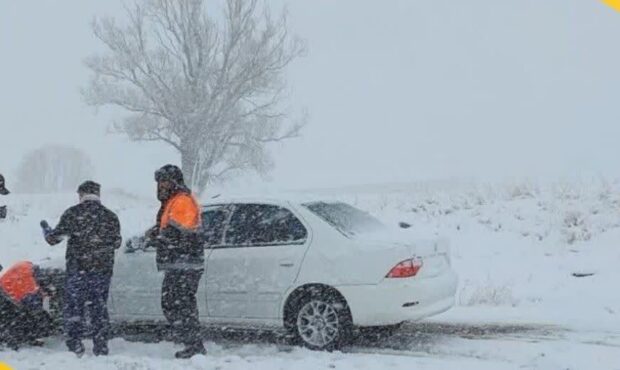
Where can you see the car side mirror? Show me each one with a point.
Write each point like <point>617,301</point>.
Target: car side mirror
<point>404,225</point>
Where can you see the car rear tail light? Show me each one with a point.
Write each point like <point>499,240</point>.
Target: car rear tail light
<point>406,269</point>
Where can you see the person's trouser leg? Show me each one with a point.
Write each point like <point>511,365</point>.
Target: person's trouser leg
<point>9,319</point>
<point>41,325</point>
<point>32,324</point>
<point>180,306</point>
<point>99,288</point>
<point>169,295</point>
<point>75,299</point>
<point>188,309</point>
<point>37,323</point>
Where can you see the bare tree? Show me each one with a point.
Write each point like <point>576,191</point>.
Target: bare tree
<point>211,87</point>
<point>53,169</point>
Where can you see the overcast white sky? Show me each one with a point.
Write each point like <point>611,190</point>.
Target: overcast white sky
<point>396,90</point>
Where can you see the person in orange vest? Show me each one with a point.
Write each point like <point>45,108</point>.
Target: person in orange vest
<point>22,317</point>
<point>180,254</point>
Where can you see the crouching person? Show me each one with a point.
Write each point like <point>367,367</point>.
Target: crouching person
<point>22,317</point>
<point>93,233</point>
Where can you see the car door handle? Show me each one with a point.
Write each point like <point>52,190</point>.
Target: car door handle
<point>287,264</point>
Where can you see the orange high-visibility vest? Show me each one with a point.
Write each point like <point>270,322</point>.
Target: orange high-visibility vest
<point>18,281</point>
<point>183,211</point>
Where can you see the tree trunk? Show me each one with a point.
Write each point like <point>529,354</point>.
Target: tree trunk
<point>188,163</point>
<point>195,178</point>
<point>202,183</point>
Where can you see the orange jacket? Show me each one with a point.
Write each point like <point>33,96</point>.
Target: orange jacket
<point>18,281</point>
<point>181,246</point>
<point>183,211</point>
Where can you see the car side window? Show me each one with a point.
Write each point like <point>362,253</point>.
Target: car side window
<point>214,220</point>
<point>262,225</point>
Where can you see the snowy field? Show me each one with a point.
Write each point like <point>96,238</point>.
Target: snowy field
<point>516,248</point>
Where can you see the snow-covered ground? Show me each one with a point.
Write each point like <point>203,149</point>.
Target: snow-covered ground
<point>515,247</point>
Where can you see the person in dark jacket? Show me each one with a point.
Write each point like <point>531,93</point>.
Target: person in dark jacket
<point>180,255</point>
<point>3,191</point>
<point>93,233</point>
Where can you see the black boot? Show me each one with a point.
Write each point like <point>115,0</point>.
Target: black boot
<point>12,345</point>
<point>191,351</point>
<point>36,343</point>
<point>76,346</point>
<point>101,349</point>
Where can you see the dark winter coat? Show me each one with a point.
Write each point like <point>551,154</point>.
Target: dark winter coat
<point>94,233</point>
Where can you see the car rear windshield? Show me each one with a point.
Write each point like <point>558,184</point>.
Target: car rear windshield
<point>346,218</point>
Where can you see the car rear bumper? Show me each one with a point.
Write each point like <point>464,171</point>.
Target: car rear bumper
<point>397,300</point>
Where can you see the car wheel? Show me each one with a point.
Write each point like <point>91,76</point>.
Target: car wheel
<point>322,322</point>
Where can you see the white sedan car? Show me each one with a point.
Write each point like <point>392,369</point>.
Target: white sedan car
<point>318,269</point>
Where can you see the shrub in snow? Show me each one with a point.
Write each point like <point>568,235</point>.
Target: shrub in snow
<point>575,227</point>
<point>522,190</point>
<point>565,191</point>
<point>488,294</point>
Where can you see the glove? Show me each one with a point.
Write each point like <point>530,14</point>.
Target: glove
<point>45,227</point>
<point>151,233</point>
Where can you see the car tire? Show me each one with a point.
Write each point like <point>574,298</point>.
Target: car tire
<point>321,321</point>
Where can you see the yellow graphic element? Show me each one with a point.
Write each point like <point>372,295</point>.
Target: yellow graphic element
<point>4,366</point>
<point>613,3</point>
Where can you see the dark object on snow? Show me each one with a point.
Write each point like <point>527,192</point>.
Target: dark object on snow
<point>404,225</point>
<point>94,234</point>
<point>582,274</point>
<point>3,189</point>
<point>3,212</point>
